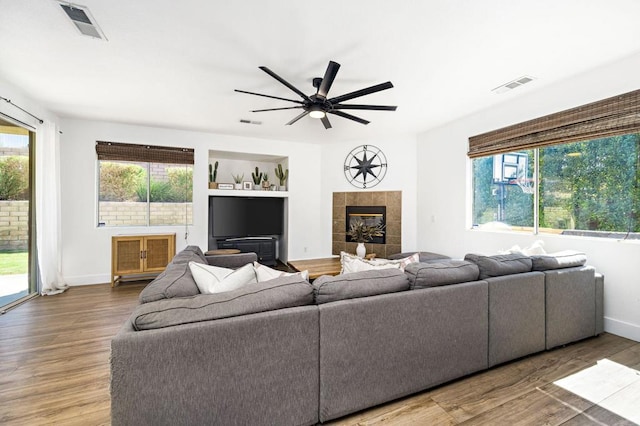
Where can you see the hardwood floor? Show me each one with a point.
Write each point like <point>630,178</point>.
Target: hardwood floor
<point>54,368</point>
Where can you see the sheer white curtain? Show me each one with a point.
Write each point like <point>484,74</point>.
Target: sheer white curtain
<point>50,279</point>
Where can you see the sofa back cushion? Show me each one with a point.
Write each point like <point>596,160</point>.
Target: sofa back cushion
<point>176,280</point>
<point>232,261</point>
<point>359,284</point>
<point>559,260</point>
<point>443,272</point>
<point>188,254</point>
<point>500,264</point>
<point>423,256</point>
<point>284,292</point>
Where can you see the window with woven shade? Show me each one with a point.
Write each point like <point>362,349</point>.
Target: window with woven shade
<point>579,173</point>
<point>144,185</point>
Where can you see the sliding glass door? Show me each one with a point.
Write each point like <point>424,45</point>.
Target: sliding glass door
<point>16,211</point>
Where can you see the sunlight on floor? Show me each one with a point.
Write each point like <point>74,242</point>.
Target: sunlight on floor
<point>610,385</point>
<point>10,284</point>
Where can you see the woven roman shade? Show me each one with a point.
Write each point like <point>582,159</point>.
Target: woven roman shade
<point>614,116</point>
<point>117,151</point>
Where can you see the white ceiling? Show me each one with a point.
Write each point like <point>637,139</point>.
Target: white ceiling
<point>175,63</point>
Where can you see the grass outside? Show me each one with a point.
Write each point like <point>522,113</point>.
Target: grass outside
<point>12,263</point>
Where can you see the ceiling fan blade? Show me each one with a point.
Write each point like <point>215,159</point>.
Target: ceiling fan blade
<point>349,116</point>
<point>285,82</point>
<point>326,122</point>
<point>367,107</point>
<point>327,80</point>
<point>268,96</point>
<point>361,92</point>
<point>297,118</point>
<point>275,109</point>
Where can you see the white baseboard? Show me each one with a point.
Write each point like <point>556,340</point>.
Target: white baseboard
<point>621,328</point>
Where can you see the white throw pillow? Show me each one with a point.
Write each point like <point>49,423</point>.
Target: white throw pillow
<point>351,263</point>
<point>414,258</point>
<point>214,279</point>
<point>515,249</point>
<point>536,248</point>
<point>264,273</point>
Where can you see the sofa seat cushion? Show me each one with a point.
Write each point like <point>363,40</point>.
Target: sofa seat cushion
<point>423,256</point>
<point>500,264</point>
<point>437,273</point>
<point>284,292</point>
<point>359,284</point>
<point>559,260</point>
<point>175,281</point>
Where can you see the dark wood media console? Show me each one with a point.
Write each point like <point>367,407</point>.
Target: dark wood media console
<point>265,248</point>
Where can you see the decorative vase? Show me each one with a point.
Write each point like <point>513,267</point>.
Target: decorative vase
<point>238,186</point>
<point>361,250</point>
<point>282,188</point>
<point>213,185</point>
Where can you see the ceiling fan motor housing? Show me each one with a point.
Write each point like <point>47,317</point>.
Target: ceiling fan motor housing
<point>319,104</point>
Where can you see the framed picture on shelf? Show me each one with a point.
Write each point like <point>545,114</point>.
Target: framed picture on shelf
<point>247,185</point>
<point>225,186</point>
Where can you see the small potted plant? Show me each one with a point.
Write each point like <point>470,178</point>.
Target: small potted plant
<point>265,181</point>
<point>362,233</point>
<point>238,180</point>
<point>257,178</point>
<point>213,174</point>
<point>282,177</point>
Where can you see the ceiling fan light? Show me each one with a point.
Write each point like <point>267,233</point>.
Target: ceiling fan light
<point>317,114</point>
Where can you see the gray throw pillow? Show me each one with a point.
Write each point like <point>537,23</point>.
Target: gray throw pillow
<point>283,292</point>
<point>359,284</point>
<point>500,264</point>
<point>438,273</point>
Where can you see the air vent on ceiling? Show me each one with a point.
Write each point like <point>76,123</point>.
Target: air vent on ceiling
<point>513,84</point>
<point>245,121</point>
<point>82,19</point>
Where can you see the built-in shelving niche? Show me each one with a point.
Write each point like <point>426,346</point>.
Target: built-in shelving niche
<point>231,162</point>
<point>234,163</point>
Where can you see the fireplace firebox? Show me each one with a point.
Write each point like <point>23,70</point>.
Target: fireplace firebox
<point>371,216</point>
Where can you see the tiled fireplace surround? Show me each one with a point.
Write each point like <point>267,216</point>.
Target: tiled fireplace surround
<point>391,199</point>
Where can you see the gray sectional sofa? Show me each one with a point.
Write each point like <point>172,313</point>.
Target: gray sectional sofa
<point>288,352</point>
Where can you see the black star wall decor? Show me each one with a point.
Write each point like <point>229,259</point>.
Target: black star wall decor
<point>365,166</point>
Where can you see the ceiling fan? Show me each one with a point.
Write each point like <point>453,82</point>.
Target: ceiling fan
<point>319,105</point>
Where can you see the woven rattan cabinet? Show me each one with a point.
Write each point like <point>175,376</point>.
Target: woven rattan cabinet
<point>140,254</point>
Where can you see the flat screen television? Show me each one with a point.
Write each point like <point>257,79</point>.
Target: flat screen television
<point>237,217</point>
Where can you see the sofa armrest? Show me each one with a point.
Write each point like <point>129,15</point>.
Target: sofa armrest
<point>257,369</point>
<point>232,261</point>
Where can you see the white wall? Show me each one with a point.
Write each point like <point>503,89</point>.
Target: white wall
<point>443,194</point>
<point>87,249</point>
<point>401,176</point>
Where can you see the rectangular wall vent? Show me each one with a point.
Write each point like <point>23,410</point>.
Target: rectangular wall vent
<point>513,84</point>
<point>82,19</point>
